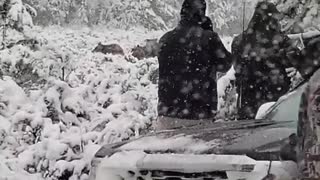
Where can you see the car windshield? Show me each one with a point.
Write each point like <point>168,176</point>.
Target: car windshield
<point>287,108</point>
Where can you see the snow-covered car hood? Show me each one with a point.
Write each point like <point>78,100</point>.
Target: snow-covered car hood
<point>260,140</point>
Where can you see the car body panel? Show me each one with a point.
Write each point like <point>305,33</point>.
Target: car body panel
<point>203,147</point>
<point>131,164</point>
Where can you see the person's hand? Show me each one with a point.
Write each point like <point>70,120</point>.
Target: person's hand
<point>298,75</point>
<point>294,75</point>
<point>291,72</point>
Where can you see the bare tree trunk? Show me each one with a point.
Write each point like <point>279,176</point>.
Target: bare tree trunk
<point>4,31</point>
<point>69,14</point>
<point>88,12</point>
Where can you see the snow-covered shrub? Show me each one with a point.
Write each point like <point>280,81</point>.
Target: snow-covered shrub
<point>19,15</point>
<point>53,131</point>
<point>227,96</point>
<point>19,63</point>
<point>300,14</point>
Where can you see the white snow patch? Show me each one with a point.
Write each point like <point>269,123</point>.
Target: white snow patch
<point>264,109</point>
<point>179,143</point>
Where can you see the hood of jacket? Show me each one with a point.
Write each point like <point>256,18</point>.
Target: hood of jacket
<point>265,18</point>
<point>193,11</point>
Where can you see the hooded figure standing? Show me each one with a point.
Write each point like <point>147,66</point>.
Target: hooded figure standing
<point>260,61</point>
<point>189,57</point>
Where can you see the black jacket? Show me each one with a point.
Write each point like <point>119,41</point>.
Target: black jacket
<point>309,60</point>
<point>189,58</point>
<point>260,61</point>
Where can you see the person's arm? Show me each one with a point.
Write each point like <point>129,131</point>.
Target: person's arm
<point>289,52</point>
<point>305,35</point>
<point>220,53</point>
<point>309,60</point>
<point>236,55</point>
<point>300,59</point>
<point>235,48</point>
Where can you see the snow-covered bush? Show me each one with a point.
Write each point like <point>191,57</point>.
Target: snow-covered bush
<point>300,14</point>
<point>19,15</point>
<point>227,96</point>
<point>52,131</point>
<point>16,62</point>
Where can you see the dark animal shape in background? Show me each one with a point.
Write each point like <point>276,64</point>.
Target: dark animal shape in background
<point>138,52</point>
<point>33,44</point>
<point>151,49</point>
<point>110,48</point>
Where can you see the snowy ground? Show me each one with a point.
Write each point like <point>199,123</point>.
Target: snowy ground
<point>52,129</point>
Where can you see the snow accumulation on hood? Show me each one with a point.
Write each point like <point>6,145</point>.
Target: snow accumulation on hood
<point>185,144</point>
<point>264,109</point>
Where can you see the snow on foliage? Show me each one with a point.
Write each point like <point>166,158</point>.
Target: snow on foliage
<point>19,15</point>
<point>79,101</point>
<point>302,14</point>
<point>227,95</point>
<point>149,14</point>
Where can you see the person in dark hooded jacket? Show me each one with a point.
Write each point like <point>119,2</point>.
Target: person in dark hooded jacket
<point>260,61</point>
<point>189,58</point>
<point>207,24</point>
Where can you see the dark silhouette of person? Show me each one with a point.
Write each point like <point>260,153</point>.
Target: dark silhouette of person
<point>207,24</point>
<point>189,58</point>
<point>260,60</point>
